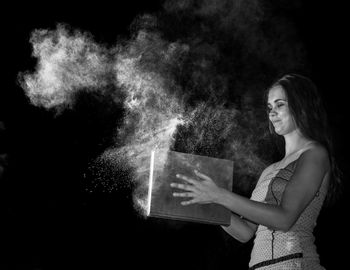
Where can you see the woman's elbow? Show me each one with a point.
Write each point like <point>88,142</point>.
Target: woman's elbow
<point>285,225</point>
<point>245,239</point>
<point>285,228</point>
<point>247,236</point>
<point>242,237</point>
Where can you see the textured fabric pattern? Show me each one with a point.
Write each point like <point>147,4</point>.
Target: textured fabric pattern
<point>270,244</point>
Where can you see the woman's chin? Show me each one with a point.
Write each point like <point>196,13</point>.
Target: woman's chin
<point>279,131</point>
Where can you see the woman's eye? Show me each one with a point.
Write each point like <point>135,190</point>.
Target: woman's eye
<point>280,105</point>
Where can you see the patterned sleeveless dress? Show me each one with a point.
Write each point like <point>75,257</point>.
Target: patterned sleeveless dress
<point>295,249</point>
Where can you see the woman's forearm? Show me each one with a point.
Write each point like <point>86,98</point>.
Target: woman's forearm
<point>240,229</point>
<point>271,216</point>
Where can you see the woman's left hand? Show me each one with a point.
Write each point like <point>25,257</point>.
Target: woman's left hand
<point>205,191</point>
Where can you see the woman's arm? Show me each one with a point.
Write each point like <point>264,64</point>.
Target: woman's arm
<point>240,229</point>
<point>301,189</point>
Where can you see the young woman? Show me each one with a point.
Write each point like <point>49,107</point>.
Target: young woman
<point>289,194</point>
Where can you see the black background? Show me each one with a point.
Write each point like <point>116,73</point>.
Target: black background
<point>50,222</point>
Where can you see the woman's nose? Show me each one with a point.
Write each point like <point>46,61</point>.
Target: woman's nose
<point>273,112</point>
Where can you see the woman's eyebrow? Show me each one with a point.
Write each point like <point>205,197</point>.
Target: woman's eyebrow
<point>280,99</point>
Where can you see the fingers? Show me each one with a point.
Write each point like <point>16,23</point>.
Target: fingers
<point>192,187</point>
<point>183,194</point>
<point>201,175</point>
<point>187,179</point>
<point>182,186</point>
<point>187,194</point>
<point>188,202</point>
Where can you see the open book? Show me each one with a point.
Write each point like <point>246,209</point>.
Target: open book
<point>165,165</point>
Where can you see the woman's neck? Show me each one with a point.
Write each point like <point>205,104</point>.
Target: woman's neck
<point>294,141</point>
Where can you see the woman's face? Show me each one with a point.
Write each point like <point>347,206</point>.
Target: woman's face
<point>279,113</point>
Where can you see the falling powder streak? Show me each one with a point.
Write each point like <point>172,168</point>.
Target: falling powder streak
<point>150,185</point>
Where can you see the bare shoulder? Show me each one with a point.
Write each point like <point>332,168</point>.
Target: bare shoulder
<point>317,149</point>
<point>316,154</point>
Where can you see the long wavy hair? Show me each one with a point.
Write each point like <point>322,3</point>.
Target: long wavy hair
<point>309,114</point>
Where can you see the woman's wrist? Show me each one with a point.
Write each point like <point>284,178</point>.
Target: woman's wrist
<point>219,195</point>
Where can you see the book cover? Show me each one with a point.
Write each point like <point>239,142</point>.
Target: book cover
<point>165,165</point>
